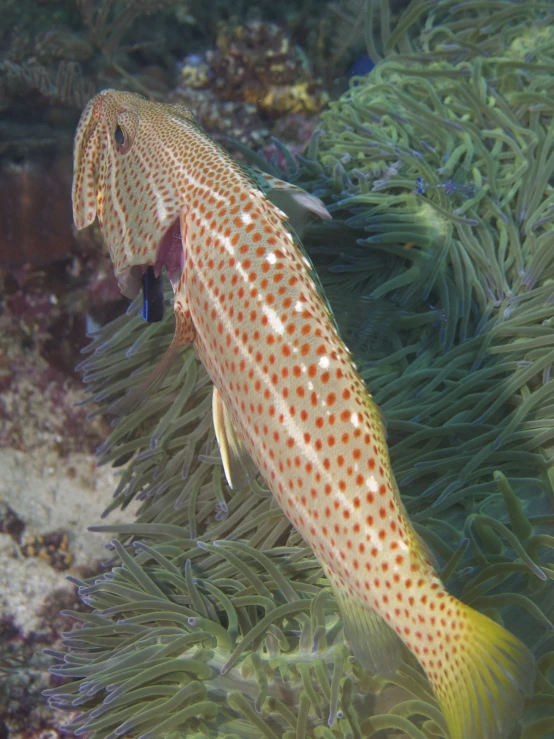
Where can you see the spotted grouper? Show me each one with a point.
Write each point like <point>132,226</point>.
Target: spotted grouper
<point>287,397</point>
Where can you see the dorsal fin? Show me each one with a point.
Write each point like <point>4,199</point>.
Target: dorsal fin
<point>298,205</point>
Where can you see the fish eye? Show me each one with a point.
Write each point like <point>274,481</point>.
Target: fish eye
<point>124,131</point>
<point>119,137</point>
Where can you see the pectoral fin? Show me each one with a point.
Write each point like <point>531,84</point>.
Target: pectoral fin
<point>238,465</point>
<point>373,642</point>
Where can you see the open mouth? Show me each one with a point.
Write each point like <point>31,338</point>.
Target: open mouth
<point>170,254</point>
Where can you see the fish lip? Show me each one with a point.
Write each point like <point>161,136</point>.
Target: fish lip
<point>129,280</point>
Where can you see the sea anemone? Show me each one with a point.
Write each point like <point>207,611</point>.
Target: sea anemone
<point>215,619</point>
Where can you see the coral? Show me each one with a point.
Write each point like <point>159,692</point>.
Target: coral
<point>215,619</point>
<point>24,669</point>
<point>108,22</point>
<point>256,83</point>
<point>42,329</point>
<point>52,548</point>
<point>23,672</point>
<point>10,522</point>
<point>222,118</point>
<point>257,63</point>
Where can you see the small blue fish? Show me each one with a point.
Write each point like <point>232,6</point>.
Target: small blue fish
<point>153,296</point>
<point>362,65</point>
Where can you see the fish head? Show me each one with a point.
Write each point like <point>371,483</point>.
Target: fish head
<point>129,158</point>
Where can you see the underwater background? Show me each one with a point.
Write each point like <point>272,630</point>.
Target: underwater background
<point>427,129</point>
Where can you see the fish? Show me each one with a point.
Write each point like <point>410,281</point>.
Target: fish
<point>152,297</point>
<point>288,400</point>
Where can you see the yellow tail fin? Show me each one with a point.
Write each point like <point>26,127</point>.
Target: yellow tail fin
<point>483,678</point>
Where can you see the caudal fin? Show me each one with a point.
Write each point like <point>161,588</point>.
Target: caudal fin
<point>482,678</point>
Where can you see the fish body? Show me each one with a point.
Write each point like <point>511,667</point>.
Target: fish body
<point>287,391</point>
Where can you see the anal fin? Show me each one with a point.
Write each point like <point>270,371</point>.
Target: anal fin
<point>378,648</point>
<point>237,463</point>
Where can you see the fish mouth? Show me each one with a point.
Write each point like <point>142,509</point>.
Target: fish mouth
<point>169,254</point>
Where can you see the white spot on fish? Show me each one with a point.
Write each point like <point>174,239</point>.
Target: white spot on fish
<point>324,362</point>
<point>371,483</point>
<point>242,272</point>
<point>226,242</point>
<point>161,208</point>
<point>274,320</point>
